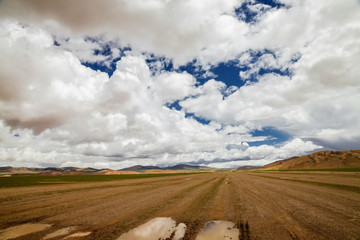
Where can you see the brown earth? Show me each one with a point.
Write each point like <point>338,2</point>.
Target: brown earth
<point>262,205</point>
<point>319,160</point>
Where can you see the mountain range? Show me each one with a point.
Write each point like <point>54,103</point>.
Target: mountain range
<point>247,168</point>
<point>318,160</point>
<point>139,168</point>
<point>74,171</point>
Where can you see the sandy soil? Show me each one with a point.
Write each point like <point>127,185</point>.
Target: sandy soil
<point>23,229</point>
<point>262,206</point>
<point>343,178</point>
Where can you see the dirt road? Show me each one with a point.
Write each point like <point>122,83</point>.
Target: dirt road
<point>262,206</point>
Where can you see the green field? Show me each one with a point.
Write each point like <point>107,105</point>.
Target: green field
<point>33,180</point>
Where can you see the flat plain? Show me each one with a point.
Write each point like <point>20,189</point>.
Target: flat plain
<point>262,205</point>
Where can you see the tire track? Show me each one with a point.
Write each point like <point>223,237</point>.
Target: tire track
<point>355,189</point>
<point>266,218</point>
<point>39,192</point>
<point>326,215</point>
<point>262,208</point>
<point>104,213</point>
<point>196,215</point>
<point>304,211</point>
<point>118,225</point>
<point>235,209</point>
<point>54,205</point>
<point>317,200</point>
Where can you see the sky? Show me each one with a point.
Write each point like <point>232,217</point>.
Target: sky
<point>111,84</point>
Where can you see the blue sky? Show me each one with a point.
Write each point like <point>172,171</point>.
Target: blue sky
<point>226,72</point>
<point>162,82</point>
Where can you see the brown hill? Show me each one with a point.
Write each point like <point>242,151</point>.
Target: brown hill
<point>169,169</point>
<point>51,173</point>
<point>247,168</point>
<point>318,160</point>
<point>115,172</point>
<point>16,170</point>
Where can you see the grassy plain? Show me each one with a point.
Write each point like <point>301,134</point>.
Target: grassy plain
<point>263,205</point>
<point>35,180</point>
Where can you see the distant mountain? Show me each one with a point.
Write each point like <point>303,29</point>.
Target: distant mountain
<point>6,169</point>
<point>178,167</point>
<point>52,171</point>
<point>115,172</point>
<point>17,170</point>
<point>183,167</point>
<point>247,168</point>
<point>318,160</point>
<point>138,168</point>
<point>48,171</point>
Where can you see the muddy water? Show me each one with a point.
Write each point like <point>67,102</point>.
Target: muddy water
<point>21,230</point>
<point>60,232</point>
<point>179,231</point>
<point>155,229</point>
<point>164,228</point>
<point>218,230</point>
<point>78,235</point>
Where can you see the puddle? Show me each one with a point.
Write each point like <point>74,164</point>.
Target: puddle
<point>78,235</point>
<point>218,230</point>
<point>162,228</point>
<point>179,232</point>
<point>60,232</point>
<point>21,230</point>
<point>156,229</point>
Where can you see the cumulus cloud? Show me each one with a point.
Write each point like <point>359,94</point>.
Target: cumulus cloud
<point>174,86</point>
<point>299,78</point>
<point>63,110</point>
<point>45,87</point>
<point>177,29</point>
<point>319,97</point>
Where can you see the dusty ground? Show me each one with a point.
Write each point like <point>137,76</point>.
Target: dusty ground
<point>262,205</point>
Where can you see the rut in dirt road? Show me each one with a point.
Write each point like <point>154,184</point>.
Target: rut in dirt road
<point>209,212</point>
<point>243,206</point>
<point>119,225</point>
<point>279,209</point>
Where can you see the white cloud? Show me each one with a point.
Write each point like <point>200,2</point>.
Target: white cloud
<point>208,103</point>
<point>46,86</point>
<point>84,48</point>
<point>260,155</point>
<point>68,114</point>
<point>178,29</point>
<point>173,86</point>
<point>321,94</point>
<point>73,112</point>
